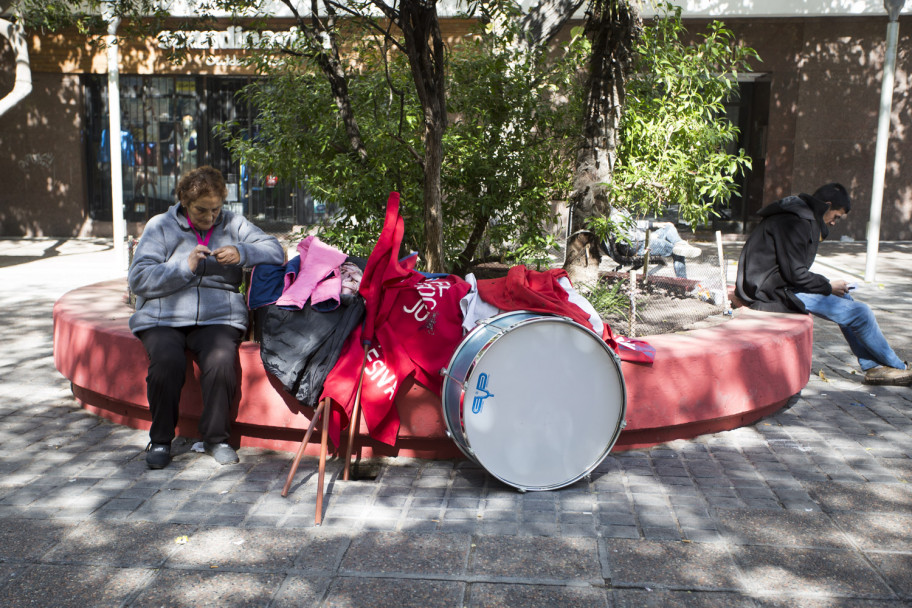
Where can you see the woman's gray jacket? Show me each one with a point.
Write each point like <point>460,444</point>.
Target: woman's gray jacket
<point>169,294</point>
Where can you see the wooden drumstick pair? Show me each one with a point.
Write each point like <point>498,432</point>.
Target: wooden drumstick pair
<point>324,409</point>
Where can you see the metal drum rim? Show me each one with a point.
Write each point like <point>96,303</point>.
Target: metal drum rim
<point>463,437</point>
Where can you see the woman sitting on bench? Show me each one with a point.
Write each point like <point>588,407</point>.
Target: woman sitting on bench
<point>186,275</point>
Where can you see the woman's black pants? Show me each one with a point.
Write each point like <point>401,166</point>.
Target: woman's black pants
<point>216,350</point>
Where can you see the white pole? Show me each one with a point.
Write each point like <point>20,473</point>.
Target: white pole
<point>883,138</point>
<point>723,299</point>
<point>117,214</point>
<point>631,322</point>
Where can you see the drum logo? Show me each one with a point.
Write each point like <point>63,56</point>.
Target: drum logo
<point>481,387</point>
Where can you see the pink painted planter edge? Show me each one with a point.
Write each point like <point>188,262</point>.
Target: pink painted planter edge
<point>702,381</point>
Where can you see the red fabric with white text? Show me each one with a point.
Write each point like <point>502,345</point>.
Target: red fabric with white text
<point>412,326</point>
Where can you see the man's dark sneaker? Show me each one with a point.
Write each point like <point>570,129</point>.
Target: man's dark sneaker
<point>884,375</point>
<point>159,455</point>
<point>222,452</point>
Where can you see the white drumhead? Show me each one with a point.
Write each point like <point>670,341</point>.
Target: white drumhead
<point>543,404</point>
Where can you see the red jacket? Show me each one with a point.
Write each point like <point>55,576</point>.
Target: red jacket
<point>412,326</point>
<point>525,289</point>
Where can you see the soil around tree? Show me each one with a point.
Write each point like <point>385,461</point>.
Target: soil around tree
<point>662,312</point>
<point>662,307</point>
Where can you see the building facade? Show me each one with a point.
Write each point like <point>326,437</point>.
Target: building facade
<point>808,115</point>
<point>816,118</point>
<point>56,162</point>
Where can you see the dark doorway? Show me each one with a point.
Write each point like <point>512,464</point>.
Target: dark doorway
<point>749,110</point>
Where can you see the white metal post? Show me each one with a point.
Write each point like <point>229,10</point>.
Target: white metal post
<point>117,214</point>
<point>883,138</point>
<point>723,299</point>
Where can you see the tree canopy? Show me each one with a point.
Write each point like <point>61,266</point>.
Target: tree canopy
<point>676,144</point>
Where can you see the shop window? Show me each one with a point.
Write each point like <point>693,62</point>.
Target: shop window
<point>166,130</point>
<point>159,121</point>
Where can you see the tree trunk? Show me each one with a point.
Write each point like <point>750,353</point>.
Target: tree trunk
<point>613,27</point>
<point>22,86</point>
<point>464,260</point>
<point>424,47</point>
<point>433,199</point>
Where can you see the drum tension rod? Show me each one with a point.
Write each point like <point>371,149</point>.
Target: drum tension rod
<point>446,374</point>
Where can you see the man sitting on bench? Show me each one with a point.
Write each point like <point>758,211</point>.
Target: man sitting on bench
<point>774,275</point>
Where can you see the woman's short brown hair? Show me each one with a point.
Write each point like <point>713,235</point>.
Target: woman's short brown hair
<point>202,181</point>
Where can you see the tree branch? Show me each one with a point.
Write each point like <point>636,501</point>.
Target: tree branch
<point>390,13</point>
<point>545,20</point>
<point>320,34</point>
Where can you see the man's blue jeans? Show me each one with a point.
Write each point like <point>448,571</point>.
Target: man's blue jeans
<point>858,325</point>
<point>661,243</point>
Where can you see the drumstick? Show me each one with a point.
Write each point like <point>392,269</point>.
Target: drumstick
<point>297,458</point>
<point>355,421</point>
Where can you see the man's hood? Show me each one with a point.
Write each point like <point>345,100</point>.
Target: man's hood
<point>804,206</point>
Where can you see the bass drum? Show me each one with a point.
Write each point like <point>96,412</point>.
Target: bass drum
<point>538,401</point>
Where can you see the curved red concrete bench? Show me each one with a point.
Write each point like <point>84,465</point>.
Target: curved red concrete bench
<point>702,381</point>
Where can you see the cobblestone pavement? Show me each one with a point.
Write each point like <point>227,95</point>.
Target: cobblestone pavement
<point>809,507</point>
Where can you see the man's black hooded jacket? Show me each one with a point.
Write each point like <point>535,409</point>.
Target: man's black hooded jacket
<point>776,258</point>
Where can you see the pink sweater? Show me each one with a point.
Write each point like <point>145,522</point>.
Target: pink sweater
<point>318,280</point>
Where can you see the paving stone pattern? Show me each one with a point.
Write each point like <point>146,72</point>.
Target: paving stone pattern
<point>809,507</point>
